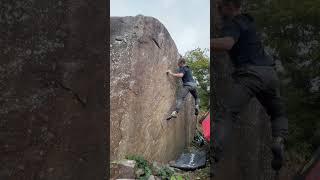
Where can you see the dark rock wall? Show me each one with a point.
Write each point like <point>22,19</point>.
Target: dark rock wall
<point>52,75</point>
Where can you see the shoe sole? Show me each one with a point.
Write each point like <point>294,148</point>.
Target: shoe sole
<point>171,117</point>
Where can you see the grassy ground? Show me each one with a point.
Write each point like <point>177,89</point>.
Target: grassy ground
<point>198,174</point>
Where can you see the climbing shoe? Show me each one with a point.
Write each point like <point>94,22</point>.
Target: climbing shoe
<point>174,114</point>
<point>277,149</point>
<point>196,110</point>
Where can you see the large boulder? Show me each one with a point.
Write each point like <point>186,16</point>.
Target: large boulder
<point>142,95</point>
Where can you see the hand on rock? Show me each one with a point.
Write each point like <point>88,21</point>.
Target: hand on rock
<point>169,72</point>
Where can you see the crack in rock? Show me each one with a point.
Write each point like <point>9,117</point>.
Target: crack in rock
<point>156,42</point>
<point>76,95</point>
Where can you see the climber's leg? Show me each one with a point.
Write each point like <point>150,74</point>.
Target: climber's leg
<point>279,123</point>
<point>181,97</point>
<point>194,93</point>
<point>274,106</point>
<point>182,94</point>
<point>272,102</point>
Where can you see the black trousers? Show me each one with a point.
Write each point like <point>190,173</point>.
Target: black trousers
<point>252,81</point>
<point>183,92</point>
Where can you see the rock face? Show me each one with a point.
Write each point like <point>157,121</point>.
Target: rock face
<point>124,169</point>
<point>142,95</point>
<point>52,75</point>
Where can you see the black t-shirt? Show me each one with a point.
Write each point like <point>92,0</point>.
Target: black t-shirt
<point>248,48</point>
<point>187,77</point>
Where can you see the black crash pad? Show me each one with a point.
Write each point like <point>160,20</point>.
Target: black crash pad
<point>190,161</point>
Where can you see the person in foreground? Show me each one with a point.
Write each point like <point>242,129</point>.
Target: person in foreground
<point>189,85</point>
<point>254,76</point>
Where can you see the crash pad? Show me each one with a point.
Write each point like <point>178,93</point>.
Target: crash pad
<point>206,127</point>
<point>190,161</point>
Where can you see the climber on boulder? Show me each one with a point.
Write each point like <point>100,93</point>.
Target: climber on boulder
<point>254,76</point>
<point>189,85</point>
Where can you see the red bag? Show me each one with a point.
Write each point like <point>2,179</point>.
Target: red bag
<point>206,127</point>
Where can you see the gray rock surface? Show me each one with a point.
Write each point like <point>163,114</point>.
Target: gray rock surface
<point>142,95</point>
<point>124,169</point>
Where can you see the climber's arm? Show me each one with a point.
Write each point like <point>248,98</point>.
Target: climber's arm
<point>180,75</point>
<point>230,35</point>
<point>222,44</point>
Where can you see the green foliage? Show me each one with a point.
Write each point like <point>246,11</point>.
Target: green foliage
<point>291,30</point>
<point>143,164</point>
<point>198,60</point>
<point>177,177</point>
<point>165,173</point>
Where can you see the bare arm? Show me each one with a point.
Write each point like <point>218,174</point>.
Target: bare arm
<point>180,75</point>
<point>222,44</point>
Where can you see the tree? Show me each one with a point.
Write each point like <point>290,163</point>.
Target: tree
<point>291,31</point>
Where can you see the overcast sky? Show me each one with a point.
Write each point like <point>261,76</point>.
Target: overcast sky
<point>188,21</point>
